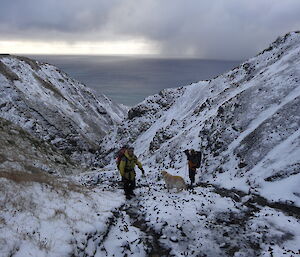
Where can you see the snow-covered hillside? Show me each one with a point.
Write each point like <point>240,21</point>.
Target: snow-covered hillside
<point>45,215</point>
<point>44,209</point>
<point>47,103</point>
<point>246,122</point>
<point>247,198</point>
<point>21,152</point>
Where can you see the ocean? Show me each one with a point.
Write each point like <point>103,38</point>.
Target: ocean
<point>130,79</point>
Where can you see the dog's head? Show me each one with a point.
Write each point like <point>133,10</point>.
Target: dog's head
<point>163,173</point>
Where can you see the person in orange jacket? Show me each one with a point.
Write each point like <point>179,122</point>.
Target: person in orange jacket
<point>194,160</point>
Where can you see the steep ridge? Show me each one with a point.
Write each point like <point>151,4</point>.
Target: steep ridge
<point>47,103</point>
<point>246,122</point>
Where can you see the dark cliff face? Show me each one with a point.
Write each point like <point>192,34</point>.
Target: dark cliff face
<point>47,103</point>
<point>241,120</point>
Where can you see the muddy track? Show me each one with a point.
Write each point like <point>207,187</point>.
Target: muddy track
<point>149,239</point>
<point>155,248</point>
<point>94,242</point>
<point>254,199</point>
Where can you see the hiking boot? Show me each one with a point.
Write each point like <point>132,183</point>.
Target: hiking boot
<point>190,186</point>
<point>128,197</point>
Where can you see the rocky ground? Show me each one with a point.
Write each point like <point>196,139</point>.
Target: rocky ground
<point>203,221</point>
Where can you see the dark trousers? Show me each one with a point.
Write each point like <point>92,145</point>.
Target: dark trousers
<point>128,185</point>
<point>192,173</point>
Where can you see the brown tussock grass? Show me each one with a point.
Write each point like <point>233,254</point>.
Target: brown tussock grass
<point>56,183</point>
<point>23,177</point>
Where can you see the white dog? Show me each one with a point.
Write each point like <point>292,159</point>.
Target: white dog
<point>173,181</point>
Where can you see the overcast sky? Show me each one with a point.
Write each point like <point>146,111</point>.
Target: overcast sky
<point>216,29</point>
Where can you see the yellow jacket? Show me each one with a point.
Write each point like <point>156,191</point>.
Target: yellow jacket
<point>127,165</point>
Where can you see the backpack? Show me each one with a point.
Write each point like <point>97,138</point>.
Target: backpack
<point>119,155</point>
<point>198,158</point>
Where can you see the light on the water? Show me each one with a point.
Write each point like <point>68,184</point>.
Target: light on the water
<point>86,48</point>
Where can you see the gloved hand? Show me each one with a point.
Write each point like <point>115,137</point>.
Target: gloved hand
<point>143,171</point>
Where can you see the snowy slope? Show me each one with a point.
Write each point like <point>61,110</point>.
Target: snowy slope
<point>44,210</point>
<point>21,152</point>
<point>47,103</point>
<point>246,122</point>
<point>203,221</point>
<point>50,216</point>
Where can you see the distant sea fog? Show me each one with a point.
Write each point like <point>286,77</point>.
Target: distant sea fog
<point>128,80</point>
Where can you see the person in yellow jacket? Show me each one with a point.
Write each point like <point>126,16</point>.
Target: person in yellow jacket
<point>126,168</point>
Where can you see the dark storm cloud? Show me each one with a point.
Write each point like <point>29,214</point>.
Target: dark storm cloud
<point>230,29</point>
<point>214,29</point>
<point>54,19</point>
